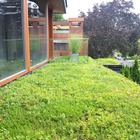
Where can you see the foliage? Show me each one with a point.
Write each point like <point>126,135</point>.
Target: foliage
<point>58,17</point>
<point>132,58</point>
<point>112,26</point>
<point>132,72</point>
<point>126,72</point>
<point>135,73</point>
<point>107,61</point>
<point>70,100</point>
<point>75,43</point>
<point>67,59</point>
<point>138,46</point>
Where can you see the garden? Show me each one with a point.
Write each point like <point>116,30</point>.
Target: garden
<point>71,100</point>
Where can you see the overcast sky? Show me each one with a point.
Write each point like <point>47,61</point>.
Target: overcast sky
<point>83,5</point>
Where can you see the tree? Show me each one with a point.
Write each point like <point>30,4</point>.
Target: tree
<point>111,26</point>
<point>135,73</point>
<point>138,46</point>
<point>126,72</point>
<point>58,17</point>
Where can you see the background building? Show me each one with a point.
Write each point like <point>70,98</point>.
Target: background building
<point>63,31</point>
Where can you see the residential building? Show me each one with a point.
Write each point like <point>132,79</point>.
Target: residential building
<point>63,30</point>
<point>26,35</point>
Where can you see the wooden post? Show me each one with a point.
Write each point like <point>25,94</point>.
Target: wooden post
<point>26,35</point>
<point>51,46</point>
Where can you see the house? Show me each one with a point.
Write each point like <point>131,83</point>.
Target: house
<point>62,32</point>
<point>26,35</point>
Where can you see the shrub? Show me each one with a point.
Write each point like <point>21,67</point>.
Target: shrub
<point>135,71</point>
<point>132,72</point>
<point>75,44</point>
<point>126,72</point>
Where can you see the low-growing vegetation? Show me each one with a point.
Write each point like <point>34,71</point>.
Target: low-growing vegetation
<point>107,61</point>
<point>70,101</point>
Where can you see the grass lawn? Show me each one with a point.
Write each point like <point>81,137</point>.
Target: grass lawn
<point>71,101</point>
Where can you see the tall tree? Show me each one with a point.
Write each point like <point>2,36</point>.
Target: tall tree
<point>112,26</point>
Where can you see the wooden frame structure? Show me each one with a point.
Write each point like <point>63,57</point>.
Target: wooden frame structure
<point>51,7</point>
<point>62,32</point>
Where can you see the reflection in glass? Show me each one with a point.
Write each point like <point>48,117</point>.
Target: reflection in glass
<point>11,42</point>
<point>37,33</point>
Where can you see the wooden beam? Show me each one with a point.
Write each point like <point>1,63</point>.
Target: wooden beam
<point>26,35</point>
<point>51,46</point>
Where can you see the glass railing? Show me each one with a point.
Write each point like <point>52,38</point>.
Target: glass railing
<point>61,47</point>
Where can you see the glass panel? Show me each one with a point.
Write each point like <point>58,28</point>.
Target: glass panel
<point>37,32</point>
<point>11,42</point>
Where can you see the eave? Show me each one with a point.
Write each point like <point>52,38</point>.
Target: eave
<point>58,6</point>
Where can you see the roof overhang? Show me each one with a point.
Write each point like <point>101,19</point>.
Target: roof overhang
<point>58,6</point>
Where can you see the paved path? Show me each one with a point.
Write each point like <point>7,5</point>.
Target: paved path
<point>126,62</point>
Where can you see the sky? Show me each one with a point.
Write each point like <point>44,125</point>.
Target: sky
<point>83,5</point>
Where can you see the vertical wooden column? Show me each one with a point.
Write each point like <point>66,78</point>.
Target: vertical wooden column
<point>51,45</point>
<point>26,35</point>
<point>47,28</point>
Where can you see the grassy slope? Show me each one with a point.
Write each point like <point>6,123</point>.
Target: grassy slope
<point>70,101</point>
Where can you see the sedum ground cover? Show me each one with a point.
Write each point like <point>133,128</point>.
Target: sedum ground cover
<point>71,101</point>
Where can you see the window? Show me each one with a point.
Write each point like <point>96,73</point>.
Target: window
<point>37,32</point>
<point>12,58</point>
